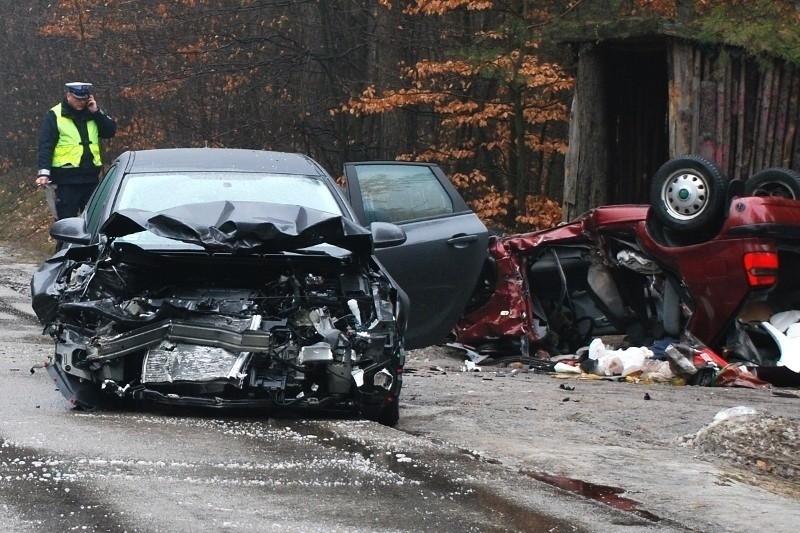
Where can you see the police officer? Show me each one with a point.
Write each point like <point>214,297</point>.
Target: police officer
<point>69,148</point>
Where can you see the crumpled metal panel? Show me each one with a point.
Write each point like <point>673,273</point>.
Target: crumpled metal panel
<point>509,312</point>
<point>230,227</point>
<point>215,331</point>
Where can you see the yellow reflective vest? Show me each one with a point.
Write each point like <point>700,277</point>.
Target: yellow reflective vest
<point>69,150</point>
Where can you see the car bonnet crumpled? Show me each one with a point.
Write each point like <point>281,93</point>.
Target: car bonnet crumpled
<point>226,226</point>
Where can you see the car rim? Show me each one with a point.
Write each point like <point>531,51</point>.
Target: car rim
<point>774,188</point>
<point>685,195</point>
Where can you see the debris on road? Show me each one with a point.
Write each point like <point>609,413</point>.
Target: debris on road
<point>664,361</point>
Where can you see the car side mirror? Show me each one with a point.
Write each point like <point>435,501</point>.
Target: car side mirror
<point>72,229</point>
<point>386,234</point>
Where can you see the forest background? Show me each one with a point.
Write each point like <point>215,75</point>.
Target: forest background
<point>481,87</point>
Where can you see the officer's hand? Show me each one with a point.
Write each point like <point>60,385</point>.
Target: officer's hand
<point>41,181</point>
<point>92,104</point>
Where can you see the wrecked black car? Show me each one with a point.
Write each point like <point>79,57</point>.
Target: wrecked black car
<point>224,279</point>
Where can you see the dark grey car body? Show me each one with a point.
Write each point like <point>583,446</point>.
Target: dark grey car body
<point>446,243</point>
<point>226,298</point>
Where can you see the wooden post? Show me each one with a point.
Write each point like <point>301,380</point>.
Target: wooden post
<point>765,88</point>
<point>738,167</point>
<point>695,99</point>
<point>707,113</point>
<point>724,88</point>
<point>586,167</point>
<point>792,116</point>
<point>773,120</point>
<point>680,101</point>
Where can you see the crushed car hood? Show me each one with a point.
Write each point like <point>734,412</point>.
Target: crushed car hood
<point>243,227</point>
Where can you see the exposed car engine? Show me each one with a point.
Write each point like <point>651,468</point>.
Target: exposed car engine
<point>282,330</point>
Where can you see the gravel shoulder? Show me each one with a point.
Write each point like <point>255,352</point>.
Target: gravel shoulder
<point>655,442</point>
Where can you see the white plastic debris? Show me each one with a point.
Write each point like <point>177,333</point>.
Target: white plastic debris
<point>618,362</point>
<point>658,370</point>
<point>608,365</point>
<point>469,366</point>
<point>566,369</point>
<point>793,330</point>
<point>730,412</point>
<point>781,321</point>
<point>597,349</point>
<point>788,346</point>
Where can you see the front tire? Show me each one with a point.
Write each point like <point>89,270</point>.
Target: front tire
<point>688,194</point>
<point>387,414</point>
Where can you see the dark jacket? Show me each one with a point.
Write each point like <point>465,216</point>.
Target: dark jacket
<point>87,172</point>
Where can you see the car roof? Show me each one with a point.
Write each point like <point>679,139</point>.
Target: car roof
<point>220,159</point>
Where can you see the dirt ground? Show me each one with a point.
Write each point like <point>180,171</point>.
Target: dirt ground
<point>655,444</point>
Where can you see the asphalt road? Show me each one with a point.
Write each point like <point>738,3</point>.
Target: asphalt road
<point>63,469</point>
<point>489,451</point>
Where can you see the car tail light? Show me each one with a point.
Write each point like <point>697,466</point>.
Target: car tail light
<point>761,268</point>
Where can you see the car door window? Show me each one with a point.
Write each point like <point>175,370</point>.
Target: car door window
<point>98,200</point>
<point>399,193</point>
<point>446,243</point>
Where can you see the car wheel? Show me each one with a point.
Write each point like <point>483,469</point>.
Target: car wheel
<point>688,194</point>
<point>390,414</point>
<point>387,414</point>
<point>780,182</point>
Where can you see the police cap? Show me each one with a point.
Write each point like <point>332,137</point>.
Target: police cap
<point>79,89</point>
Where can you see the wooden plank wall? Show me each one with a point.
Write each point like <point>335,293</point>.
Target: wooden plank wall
<point>740,112</point>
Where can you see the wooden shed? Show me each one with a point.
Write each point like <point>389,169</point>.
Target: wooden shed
<point>645,98</point>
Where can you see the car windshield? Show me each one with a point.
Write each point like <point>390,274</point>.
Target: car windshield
<point>159,191</point>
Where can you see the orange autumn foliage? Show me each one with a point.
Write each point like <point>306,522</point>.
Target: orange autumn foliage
<point>493,106</point>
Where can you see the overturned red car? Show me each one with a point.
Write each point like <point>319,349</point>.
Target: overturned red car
<point>709,262</point>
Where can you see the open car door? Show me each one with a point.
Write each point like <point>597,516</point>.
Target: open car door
<point>439,264</point>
